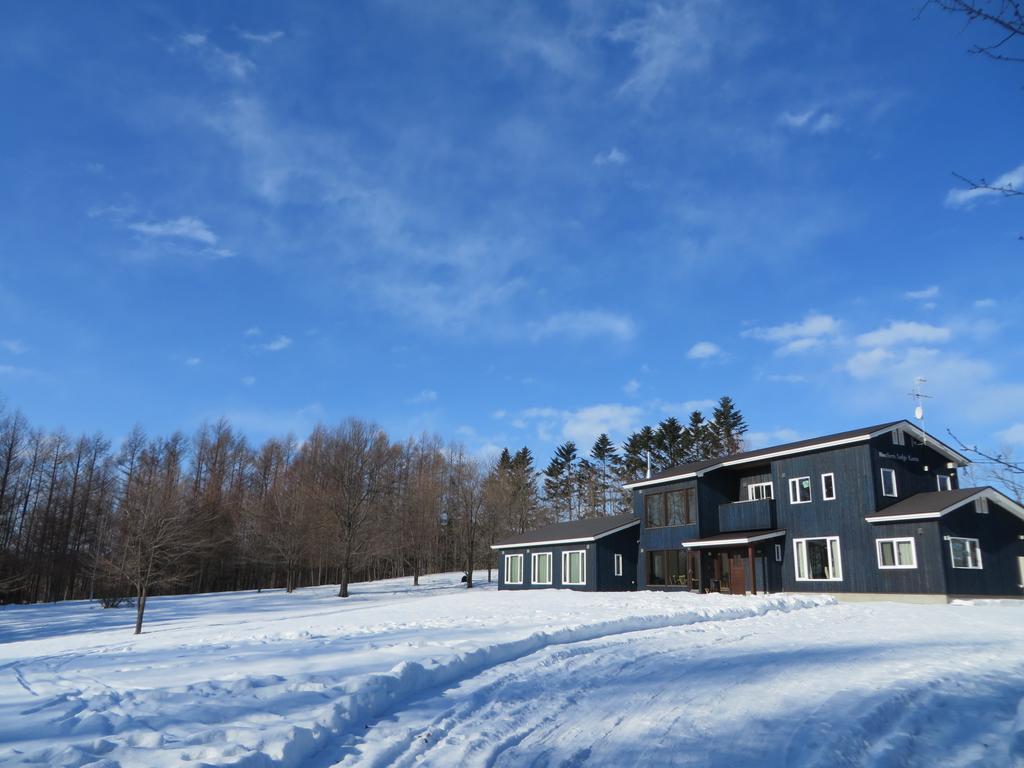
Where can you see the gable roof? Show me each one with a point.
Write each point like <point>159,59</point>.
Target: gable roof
<point>934,504</point>
<point>590,529</point>
<point>698,468</point>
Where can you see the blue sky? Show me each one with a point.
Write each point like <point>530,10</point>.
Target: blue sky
<point>507,223</point>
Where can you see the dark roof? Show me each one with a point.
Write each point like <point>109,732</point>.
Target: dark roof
<point>741,537</point>
<point>928,503</point>
<point>589,529</point>
<point>699,466</point>
<point>696,467</point>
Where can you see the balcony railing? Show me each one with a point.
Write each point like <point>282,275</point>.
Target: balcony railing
<point>746,515</point>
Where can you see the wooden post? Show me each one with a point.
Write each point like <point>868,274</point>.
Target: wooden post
<point>753,573</point>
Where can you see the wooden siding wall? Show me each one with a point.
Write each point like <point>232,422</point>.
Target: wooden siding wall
<point>999,535</point>
<point>625,543</point>
<point>600,563</point>
<point>909,462</point>
<point>672,536</point>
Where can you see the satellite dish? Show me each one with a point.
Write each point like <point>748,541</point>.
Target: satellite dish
<point>919,413</point>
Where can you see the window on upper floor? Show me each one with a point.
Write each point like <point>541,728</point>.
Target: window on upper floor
<point>897,437</point>
<point>888,481</point>
<point>965,553</point>
<point>671,508</point>
<point>799,490</point>
<point>828,486</point>
<point>944,482</point>
<point>760,491</point>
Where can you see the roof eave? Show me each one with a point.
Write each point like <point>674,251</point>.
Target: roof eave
<point>578,540</point>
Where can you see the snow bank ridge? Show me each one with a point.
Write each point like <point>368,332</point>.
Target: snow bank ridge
<point>371,696</point>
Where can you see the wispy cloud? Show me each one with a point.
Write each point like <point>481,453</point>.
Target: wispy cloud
<point>584,324</point>
<point>424,396</point>
<point>631,387</point>
<point>1011,180</point>
<point>252,331</point>
<point>904,333</point>
<point>186,227</point>
<point>703,350</point>
<point>278,343</point>
<point>809,333</point>
<point>613,156</point>
<point>263,38</point>
<point>248,381</point>
<point>925,294</point>
<point>193,361</point>
<point>14,346</point>
<point>215,58</point>
<point>583,425</point>
<point>984,303</point>
<point>814,120</point>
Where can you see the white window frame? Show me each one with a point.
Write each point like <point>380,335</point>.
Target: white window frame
<point>778,553</point>
<point>977,548</point>
<point>794,483</point>
<point>895,489</point>
<point>533,568</point>
<point>618,565</point>
<point>752,486</point>
<point>800,558</point>
<point>948,483</point>
<point>898,438</point>
<point>565,567</point>
<point>824,491</point>
<point>896,553</point>
<point>508,559</point>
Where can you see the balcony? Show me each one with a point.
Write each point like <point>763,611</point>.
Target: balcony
<point>746,515</point>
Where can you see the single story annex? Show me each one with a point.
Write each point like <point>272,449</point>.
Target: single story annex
<point>870,512</point>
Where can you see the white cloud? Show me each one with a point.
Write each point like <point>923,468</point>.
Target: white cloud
<point>1013,435</point>
<point>583,426</point>
<point>193,361</point>
<point>702,350</point>
<point>262,38</point>
<point>278,343</point>
<point>957,198</point>
<point>869,363</point>
<point>14,346</point>
<point>424,396</point>
<point>631,387</point>
<point>499,414</point>
<point>792,338</point>
<point>583,324</point>
<point>812,326</point>
<point>904,333</point>
<point>931,292</point>
<point>215,58</point>
<point>253,331</point>
<point>248,381</point>
<point>686,407</point>
<point>613,156</point>
<point>984,303</point>
<point>814,120</point>
<point>186,227</point>
<point>276,423</point>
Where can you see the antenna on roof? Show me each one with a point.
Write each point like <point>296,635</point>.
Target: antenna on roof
<point>919,397</point>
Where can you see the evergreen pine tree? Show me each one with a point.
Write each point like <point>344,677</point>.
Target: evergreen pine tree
<point>607,461</point>
<point>560,482</point>
<point>728,427</point>
<point>634,455</point>
<point>669,445</point>
<point>698,438</point>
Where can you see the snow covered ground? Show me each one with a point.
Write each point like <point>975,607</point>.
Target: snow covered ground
<point>437,675</point>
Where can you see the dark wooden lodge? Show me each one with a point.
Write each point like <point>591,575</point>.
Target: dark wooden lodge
<point>873,512</point>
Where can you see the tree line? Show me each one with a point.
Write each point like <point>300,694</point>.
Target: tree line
<point>80,518</point>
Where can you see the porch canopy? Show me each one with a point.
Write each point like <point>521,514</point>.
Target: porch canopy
<point>734,539</point>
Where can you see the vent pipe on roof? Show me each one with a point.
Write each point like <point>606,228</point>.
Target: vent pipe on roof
<point>648,465</point>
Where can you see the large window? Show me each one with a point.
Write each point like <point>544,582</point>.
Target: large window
<point>888,481</point>
<point>540,568</point>
<point>574,567</point>
<point>818,559</point>
<point>799,490</point>
<point>671,508</point>
<point>757,491</point>
<point>896,553</point>
<point>965,553</point>
<point>673,568</point>
<point>943,482</point>
<point>828,486</point>
<point>513,569</point>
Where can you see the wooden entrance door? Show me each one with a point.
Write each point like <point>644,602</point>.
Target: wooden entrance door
<point>737,575</point>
